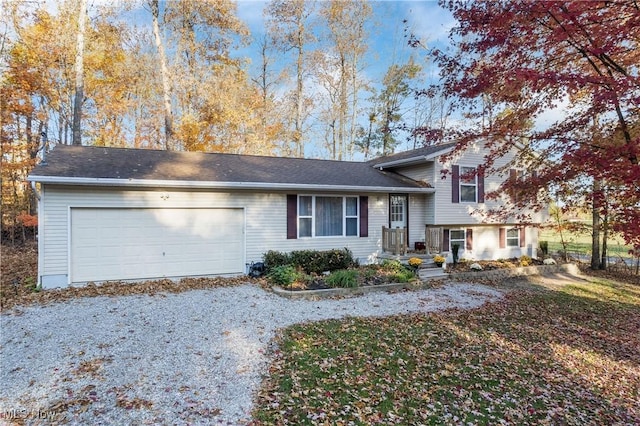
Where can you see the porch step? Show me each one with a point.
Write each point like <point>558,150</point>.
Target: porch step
<point>431,273</point>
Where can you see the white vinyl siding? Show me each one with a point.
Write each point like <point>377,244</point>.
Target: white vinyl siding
<point>417,217</point>
<point>486,243</point>
<point>265,217</point>
<point>448,213</point>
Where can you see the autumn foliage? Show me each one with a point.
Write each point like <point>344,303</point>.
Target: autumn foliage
<point>558,82</point>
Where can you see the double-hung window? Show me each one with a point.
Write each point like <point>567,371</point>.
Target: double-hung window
<point>468,185</point>
<point>457,236</point>
<point>327,216</point>
<point>513,237</point>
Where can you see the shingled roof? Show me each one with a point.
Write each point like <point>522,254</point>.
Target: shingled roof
<point>418,154</point>
<point>82,165</point>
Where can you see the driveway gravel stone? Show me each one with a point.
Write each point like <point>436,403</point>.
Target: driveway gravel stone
<point>195,357</point>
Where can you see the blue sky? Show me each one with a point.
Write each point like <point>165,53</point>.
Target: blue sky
<point>426,19</point>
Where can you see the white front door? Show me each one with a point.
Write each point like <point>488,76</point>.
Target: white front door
<point>398,211</point>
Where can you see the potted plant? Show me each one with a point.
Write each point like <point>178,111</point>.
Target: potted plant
<point>439,260</point>
<point>415,263</point>
<point>454,251</point>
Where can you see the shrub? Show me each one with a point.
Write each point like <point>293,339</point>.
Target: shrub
<point>392,266</point>
<point>525,260</point>
<point>284,275</point>
<point>403,276</point>
<point>344,278</point>
<point>311,261</point>
<point>273,259</point>
<point>544,247</point>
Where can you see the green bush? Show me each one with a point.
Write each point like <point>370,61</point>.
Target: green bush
<point>273,259</point>
<point>402,276</point>
<point>544,247</point>
<point>344,278</point>
<point>285,275</point>
<point>393,266</point>
<point>311,261</point>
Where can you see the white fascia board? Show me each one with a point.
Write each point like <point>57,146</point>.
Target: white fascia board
<point>439,153</point>
<point>405,161</point>
<point>144,183</point>
<point>412,160</point>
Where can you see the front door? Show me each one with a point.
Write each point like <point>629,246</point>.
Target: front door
<point>398,211</point>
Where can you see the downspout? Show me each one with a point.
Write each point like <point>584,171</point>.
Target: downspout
<point>35,190</point>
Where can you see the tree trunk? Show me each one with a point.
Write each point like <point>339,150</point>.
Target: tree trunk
<point>605,235</point>
<point>595,221</point>
<point>298,129</point>
<point>79,93</point>
<point>164,71</point>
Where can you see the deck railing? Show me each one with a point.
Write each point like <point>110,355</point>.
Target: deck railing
<point>434,236</point>
<point>394,240</point>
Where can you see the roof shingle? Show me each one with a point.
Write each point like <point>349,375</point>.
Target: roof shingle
<point>84,162</point>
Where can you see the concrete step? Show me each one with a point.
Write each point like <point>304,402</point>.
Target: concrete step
<point>431,273</point>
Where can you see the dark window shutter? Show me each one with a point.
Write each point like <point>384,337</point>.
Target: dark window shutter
<point>523,237</point>
<point>445,240</point>
<point>480,177</point>
<point>503,237</point>
<point>292,216</point>
<point>469,237</point>
<point>364,216</point>
<point>455,184</point>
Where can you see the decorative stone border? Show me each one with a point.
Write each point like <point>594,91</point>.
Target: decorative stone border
<point>570,268</point>
<point>356,291</point>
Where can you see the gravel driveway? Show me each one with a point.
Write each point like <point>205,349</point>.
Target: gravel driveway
<point>190,358</point>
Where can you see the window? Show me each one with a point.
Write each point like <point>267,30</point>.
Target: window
<point>397,208</point>
<point>457,236</point>
<point>468,184</point>
<point>513,237</point>
<point>322,216</point>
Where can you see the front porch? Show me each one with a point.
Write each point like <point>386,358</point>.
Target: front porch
<point>395,241</point>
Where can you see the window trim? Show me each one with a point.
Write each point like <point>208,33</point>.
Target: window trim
<point>516,238</point>
<point>463,241</point>
<point>461,183</point>
<point>344,215</point>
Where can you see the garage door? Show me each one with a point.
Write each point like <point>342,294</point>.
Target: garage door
<point>117,244</point>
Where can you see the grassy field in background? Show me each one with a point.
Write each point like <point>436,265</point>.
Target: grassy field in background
<point>581,243</point>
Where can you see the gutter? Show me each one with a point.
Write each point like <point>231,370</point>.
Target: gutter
<point>144,183</point>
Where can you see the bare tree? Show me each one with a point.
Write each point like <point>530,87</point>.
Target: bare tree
<point>79,71</point>
<point>164,71</point>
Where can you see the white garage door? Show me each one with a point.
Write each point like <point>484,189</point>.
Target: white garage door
<point>118,244</point>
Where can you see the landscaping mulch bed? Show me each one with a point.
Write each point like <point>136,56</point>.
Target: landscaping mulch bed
<point>488,265</point>
<point>319,283</point>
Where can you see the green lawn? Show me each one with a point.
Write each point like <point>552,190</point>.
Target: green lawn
<point>581,243</point>
<point>564,356</point>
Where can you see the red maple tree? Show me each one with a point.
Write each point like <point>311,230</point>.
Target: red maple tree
<point>513,61</point>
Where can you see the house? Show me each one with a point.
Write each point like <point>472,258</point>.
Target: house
<point>129,214</point>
